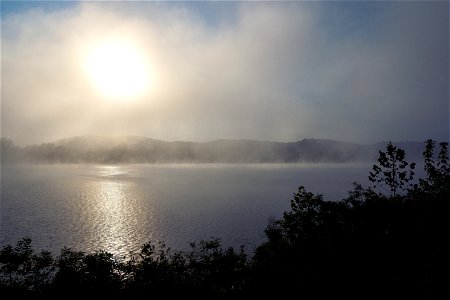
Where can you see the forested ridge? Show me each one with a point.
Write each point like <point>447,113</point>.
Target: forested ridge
<point>132,149</point>
<point>386,240</point>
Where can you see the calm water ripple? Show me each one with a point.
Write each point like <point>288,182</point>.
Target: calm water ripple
<point>120,207</point>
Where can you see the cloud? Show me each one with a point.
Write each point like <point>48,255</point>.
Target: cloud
<point>269,71</point>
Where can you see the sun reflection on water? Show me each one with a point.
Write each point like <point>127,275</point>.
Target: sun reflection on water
<point>116,216</point>
<point>110,171</point>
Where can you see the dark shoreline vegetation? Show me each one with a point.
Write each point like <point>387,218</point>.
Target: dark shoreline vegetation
<point>388,240</point>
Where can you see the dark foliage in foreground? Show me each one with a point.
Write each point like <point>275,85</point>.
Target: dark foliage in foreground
<point>369,245</point>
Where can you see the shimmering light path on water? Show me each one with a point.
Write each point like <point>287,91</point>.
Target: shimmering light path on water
<point>118,208</point>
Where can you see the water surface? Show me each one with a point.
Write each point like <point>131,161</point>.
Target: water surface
<point>118,208</point>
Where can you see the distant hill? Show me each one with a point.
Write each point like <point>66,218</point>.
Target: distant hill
<point>135,149</point>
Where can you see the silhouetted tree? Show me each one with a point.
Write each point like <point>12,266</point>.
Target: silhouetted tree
<point>23,270</point>
<point>368,245</point>
<point>437,169</point>
<point>217,271</point>
<point>392,170</point>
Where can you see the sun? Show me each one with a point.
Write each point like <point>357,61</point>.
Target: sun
<point>118,70</point>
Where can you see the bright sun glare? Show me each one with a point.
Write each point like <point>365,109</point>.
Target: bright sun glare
<point>118,70</point>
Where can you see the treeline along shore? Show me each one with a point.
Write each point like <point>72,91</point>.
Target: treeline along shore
<point>389,240</point>
<point>131,149</point>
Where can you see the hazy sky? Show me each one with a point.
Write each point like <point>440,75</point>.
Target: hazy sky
<point>280,71</point>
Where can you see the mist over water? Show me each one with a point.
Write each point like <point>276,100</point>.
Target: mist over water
<point>128,122</point>
<point>118,208</point>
